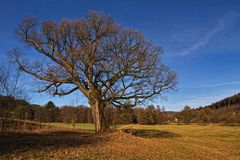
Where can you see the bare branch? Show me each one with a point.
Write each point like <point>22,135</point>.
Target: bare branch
<point>106,62</point>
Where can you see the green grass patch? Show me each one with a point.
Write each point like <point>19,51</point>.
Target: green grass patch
<point>81,126</point>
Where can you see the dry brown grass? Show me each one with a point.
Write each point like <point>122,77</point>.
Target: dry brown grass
<point>193,142</point>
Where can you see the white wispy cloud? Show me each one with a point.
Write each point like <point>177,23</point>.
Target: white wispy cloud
<point>198,100</point>
<point>229,18</point>
<point>215,85</point>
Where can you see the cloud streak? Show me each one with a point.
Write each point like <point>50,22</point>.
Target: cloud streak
<point>197,100</point>
<point>229,18</point>
<point>215,85</point>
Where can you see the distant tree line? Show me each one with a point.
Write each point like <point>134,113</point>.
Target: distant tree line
<point>83,114</point>
<point>225,115</point>
<point>225,111</point>
<point>126,114</point>
<point>232,100</point>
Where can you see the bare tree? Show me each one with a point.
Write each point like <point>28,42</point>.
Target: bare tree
<point>9,89</point>
<point>109,64</point>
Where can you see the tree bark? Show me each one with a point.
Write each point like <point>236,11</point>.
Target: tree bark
<point>98,116</point>
<point>3,124</point>
<point>4,119</point>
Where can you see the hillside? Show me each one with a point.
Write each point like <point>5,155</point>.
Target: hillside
<point>229,101</point>
<point>6,101</point>
<point>225,111</point>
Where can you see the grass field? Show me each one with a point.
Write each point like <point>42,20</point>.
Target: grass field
<point>173,142</point>
<point>86,126</point>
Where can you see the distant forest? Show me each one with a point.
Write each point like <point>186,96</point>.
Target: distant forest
<point>225,111</point>
<point>233,100</point>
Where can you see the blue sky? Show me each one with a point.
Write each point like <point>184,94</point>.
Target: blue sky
<point>201,40</point>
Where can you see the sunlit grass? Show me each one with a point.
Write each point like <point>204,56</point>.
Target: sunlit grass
<point>168,142</point>
<point>82,126</point>
<point>198,140</point>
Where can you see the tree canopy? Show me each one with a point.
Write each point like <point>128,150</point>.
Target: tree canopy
<point>108,63</point>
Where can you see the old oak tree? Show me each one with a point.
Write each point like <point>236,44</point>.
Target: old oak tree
<point>107,63</point>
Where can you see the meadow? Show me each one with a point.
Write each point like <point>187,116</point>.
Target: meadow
<point>171,142</point>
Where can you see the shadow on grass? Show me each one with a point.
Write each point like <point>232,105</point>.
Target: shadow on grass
<point>17,143</point>
<point>151,133</point>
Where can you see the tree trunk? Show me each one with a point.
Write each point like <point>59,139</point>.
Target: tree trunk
<point>3,124</point>
<point>98,116</point>
<point>4,119</point>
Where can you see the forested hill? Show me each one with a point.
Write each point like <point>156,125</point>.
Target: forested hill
<point>232,100</point>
